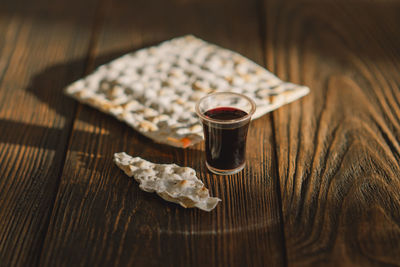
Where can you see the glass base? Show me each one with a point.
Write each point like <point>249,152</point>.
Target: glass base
<point>225,172</point>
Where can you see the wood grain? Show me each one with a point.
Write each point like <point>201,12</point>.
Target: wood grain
<point>35,118</point>
<point>322,182</point>
<point>338,149</point>
<point>102,218</point>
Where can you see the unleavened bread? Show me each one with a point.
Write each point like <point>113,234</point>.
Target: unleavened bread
<point>170,181</point>
<point>154,90</point>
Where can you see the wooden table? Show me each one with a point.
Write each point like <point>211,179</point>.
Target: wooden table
<point>322,183</point>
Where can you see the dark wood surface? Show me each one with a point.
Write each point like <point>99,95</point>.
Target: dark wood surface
<point>322,183</point>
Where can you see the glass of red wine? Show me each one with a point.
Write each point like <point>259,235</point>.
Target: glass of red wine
<point>225,117</point>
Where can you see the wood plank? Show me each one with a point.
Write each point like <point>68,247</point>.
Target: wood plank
<point>9,27</point>
<point>339,148</point>
<point>102,218</point>
<point>38,44</point>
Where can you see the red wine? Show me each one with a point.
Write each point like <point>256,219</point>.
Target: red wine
<point>225,146</point>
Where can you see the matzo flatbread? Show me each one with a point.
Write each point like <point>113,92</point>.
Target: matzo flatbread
<point>171,182</point>
<point>154,90</point>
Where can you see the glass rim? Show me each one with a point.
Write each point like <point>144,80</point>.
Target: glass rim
<point>248,116</point>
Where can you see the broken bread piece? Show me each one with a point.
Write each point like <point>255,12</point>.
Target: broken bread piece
<point>170,181</point>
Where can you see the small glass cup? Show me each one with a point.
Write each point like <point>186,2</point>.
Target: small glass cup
<point>225,117</point>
